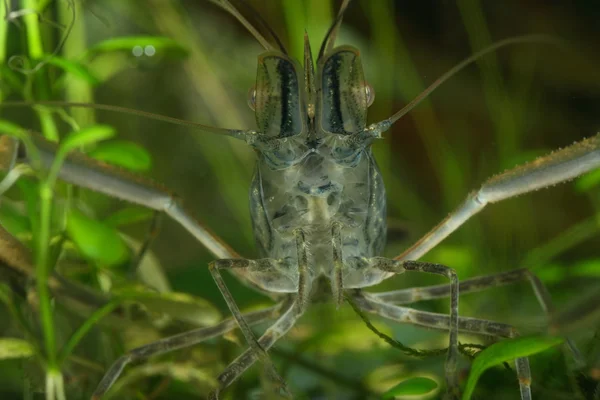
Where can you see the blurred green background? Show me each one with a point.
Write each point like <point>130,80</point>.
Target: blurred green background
<point>510,107</point>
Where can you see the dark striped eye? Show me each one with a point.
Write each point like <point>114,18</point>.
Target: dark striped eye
<point>276,97</point>
<point>345,93</point>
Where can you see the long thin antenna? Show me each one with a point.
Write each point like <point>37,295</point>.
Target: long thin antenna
<point>265,25</point>
<point>227,6</point>
<point>515,40</point>
<point>235,133</point>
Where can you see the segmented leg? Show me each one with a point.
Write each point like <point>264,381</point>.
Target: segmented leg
<point>89,173</point>
<point>399,267</point>
<point>557,167</point>
<point>411,295</point>
<point>249,357</point>
<point>276,272</point>
<point>372,304</point>
<point>103,178</point>
<point>180,341</point>
<point>255,347</point>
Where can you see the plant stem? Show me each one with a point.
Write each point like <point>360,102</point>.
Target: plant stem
<point>3,37</point>
<point>49,386</point>
<point>85,327</point>
<point>36,53</point>
<point>3,30</point>
<point>76,90</point>
<point>42,273</point>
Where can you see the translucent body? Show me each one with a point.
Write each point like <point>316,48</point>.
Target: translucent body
<point>313,173</point>
<point>312,195</point>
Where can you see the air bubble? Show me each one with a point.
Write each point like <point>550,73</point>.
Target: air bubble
<point>137,51</point>
<point>149,50</point>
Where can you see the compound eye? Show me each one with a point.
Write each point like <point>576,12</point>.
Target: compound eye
<point>370,93</point>
<point>252,98</point>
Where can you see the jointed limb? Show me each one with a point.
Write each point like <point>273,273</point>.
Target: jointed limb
<point>179,341</point>
<point>557,167</point>
<point>255,347</point>
<point>266,341</point>
<point>275,273</point>
<point>399,267</point>
<point>411,295</point>
<point>370,303</point>
<point>84,171</point>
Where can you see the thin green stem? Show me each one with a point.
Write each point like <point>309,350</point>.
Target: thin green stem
<point>43,271</point>
<point>85,328</point>
<point>76,90</point>
<point>42,274</point>
<point>566,240</point>
<point>36,53</point>
<point>50,388</point>
<point>17,315</point>
<point>3,38</point>
<point>59,384</point>
<point>32,27</point>
<point>3,30</point>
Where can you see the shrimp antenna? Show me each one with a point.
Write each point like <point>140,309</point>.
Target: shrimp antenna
<point>265,25</point>
<point>227,6</point>
<point>331,35</point>
<point>246,135</point>
<point>457,68</point>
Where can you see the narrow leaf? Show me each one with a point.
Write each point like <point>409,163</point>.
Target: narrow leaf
<point>86,136</point>
<point>504,351</point>
<point>588,181</point>
<point>77,139</point>
<point>13,220</point>
<point>9,128</point>
<point>180,306</point>
<point>124,154</point>
<point>96,240</point>
<point>419,385</point>
<point>15,348</point>
<point>74,68</point>
<point>129,43</point>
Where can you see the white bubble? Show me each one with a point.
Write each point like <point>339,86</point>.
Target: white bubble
<point>137,51</point>
<point>149,50</point>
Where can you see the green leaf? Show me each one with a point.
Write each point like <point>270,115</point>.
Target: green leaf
<point>128,216</point>
<point>506,350</point>
<point>83,137</point>
<point>86,136</point>
<point>587,268</point>
<point>13,220</point>
<point>8,128</point>
<point>74,68</point>
<point>419,385</point>
<point>10,79</point>
<point>149,270</point>
<point>124,154</point>
<point>588,181</point>
<point>128,43</point>
<point>96,240</point>
<point>15,348</point>
<point>5,294</point>
<point>180,306</point>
